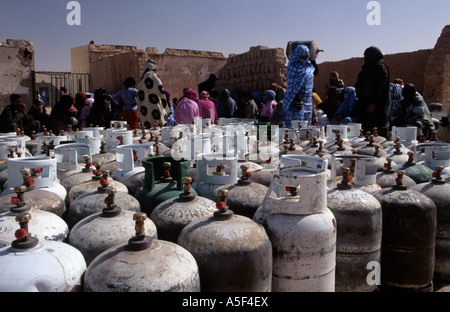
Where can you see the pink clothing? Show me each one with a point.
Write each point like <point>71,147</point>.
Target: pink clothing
<point>207,109</point>
<point>186,111</point>
<point>268,108</point>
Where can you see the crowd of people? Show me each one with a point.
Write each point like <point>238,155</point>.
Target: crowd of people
<point>374,101</point>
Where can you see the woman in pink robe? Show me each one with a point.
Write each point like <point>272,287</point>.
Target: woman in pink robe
<point>206,107</point>
<point>187,108</point>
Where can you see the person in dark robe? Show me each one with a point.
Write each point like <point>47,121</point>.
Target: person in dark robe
<point>208,85</point>
<point>372,109</point>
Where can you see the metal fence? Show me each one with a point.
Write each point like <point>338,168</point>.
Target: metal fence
<point>70,82</point>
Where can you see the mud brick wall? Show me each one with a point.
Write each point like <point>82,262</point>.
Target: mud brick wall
<point>437,73</point>
<point>410,67</point>
<point>17,71</point>
<point>254,70</point>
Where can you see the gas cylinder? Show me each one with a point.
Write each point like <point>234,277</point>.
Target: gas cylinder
<point>359,228</point>
<point>245,196</point>
<point>162,181</point>
<point>129,165</point>
<point>83,175</point>
<point>311,45</point>
<point>371,147</point>
<point>88,203</point>
<point>362,172</point>
<point>143,265</point>
<point>233,253</point>
<point>408,136</point>
<point>409,239</point>
<point>34,265</point>
<point>70,158</point>
<point>415,171</point>
<point>108,228</point>
<point>104,157</point>
<point>302,231</point>
<point>45,225</point>
<point>398,155</point>
<point>99,181</point>
<point>438,191</point>
<point>172,215</point>
<point>43,175</point>
<point>264,176</point>
<point>213,171</point>
<point>433,155</point>
<point>386,178</point>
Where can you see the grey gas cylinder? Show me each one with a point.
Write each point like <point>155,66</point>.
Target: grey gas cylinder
<point>439,192</point>
<point>143,265</point>
<point>409,239</point>
<point>172,215</point>
<point>302,231</point>
<point>234,253</point>
<point>359,228</point>
<point>100,231</point>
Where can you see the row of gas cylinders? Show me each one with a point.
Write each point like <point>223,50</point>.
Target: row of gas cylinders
<point>297,234</point>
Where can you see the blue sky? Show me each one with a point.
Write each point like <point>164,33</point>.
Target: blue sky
<point>233,26</point>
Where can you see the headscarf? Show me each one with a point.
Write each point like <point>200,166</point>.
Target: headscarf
<point>167,93</point>
<point>372,56</point>
<point>190,94</point>
<point>300,76</point>
<point>80,100</point>
<point>346,106</point>
<point>269,95</point>
<point>204,95</point>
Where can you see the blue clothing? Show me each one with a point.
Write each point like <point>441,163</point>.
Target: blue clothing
<point>346,106</point>
<point>300,80</point>
<point>396,92</point>
<point>128,96</point>
<point>171,119</point>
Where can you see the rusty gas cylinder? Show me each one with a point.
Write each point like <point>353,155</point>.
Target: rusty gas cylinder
<point>31,264</point>
<point>45,225</point>
<point>102,230</point>
<point>143,265</point>
<point>439,192</point>
<point>92,202</point>
<point>359,228</point>
<point>409,239</point>
<point>386,178</point>
<point>172,215</point>
<point>233,252</point>
<point>245,196</point>
<point>99,181</point>
<point>302,231</point>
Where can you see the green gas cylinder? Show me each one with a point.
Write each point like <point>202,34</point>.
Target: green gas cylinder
<point>162,181</point>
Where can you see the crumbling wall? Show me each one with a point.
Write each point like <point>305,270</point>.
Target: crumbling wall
<point>437,73</point>
<point>254,70</point>
<point>409,66</point>
<point>179,69</point>
<point>17,71</point>
<point>110,71</point>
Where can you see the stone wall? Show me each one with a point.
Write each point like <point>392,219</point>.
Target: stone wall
<point>17,71</point>
<point>410,67</point>
<point>254,70</point>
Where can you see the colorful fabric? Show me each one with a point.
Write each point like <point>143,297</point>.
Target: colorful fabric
<point>300,80</point>
<point>269,103</point>
<point>187,108</point>
<point>346,106</point>
<point>152,103</point>
<point>206,107</point>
